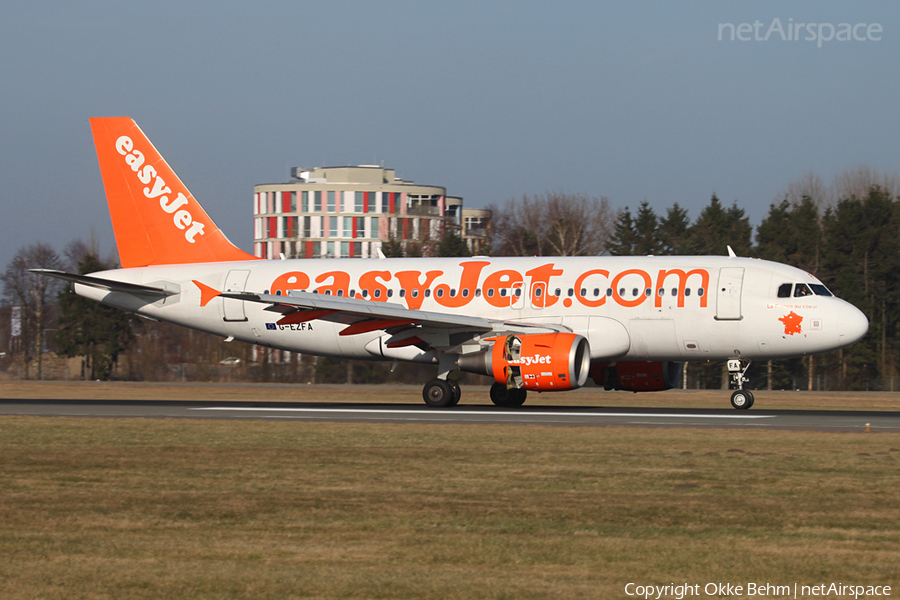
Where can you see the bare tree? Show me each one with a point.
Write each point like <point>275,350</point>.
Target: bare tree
<point>552,224</point>
<point>811,186</point>
<point>36,295</point>
<point>856,183</point>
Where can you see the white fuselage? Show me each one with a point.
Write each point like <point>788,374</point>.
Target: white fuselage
<point>630,308</point>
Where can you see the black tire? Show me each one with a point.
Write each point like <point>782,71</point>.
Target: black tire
<point>503,396</point>
<point>741,400</point>
<point>517,397</point>
<point>751,398</point>
<point>457,392</point>
<point>500,394</point>
<point>437,393</point>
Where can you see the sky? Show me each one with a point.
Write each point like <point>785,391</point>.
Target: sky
<point>491,100</point>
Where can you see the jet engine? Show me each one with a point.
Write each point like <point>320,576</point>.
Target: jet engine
<point>637,376</point>
<point>543,362</point>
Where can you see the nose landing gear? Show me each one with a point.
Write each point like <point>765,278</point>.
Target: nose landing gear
<point>741,399</point>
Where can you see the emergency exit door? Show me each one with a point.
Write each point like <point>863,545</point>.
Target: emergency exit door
<point>236,281</point>
<point>728,293</point>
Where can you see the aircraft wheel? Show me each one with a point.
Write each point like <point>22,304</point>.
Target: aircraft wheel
<point>457,392</point>
<point>499,394</point>
<point>517,397</point>
<point>437,393</point>
<point>503,396</point>
<point>741,399</point>
<point>752,399</point>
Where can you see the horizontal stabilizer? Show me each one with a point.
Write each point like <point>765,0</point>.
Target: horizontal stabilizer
<point>106,284</point>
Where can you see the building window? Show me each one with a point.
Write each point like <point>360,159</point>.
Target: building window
<point>345,249</point>
<point>357,249</point>
<point>360,227</point>
<point>371,196</point>
<point>332,227</point>
<point>348,227</point>
<point>317,201</point>
<point>305,202</point>
<point>306,226</point>
<point>329,252</point>
<point>374,233</point>
<point>293,202</point>
<point>331,202</point>
<point>358,202</point>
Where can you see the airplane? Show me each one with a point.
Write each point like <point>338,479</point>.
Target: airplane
<point>539,324</point>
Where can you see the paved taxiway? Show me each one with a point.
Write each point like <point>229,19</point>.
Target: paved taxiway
<point>408,413</point>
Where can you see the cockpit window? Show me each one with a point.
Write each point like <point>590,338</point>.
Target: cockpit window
<point>801,290</point>
<point>784,290</point>
<point>820,289</point>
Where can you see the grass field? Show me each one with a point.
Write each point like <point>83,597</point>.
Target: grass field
<point>143,508</point>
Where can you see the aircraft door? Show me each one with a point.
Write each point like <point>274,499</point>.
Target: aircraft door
<point>236,281</point>
<point>728,293</point>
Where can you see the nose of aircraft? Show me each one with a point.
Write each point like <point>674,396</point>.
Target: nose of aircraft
<point>852,324</point>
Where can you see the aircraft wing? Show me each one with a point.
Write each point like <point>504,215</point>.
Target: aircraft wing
<point>425,329</point>
<point>106,284</point>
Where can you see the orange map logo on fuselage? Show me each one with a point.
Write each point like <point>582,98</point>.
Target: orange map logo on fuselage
<point>791,323</point>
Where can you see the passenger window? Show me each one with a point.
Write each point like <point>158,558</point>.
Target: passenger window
<point>537,292</point>
<point>801,290</point>
<point>784,290</point>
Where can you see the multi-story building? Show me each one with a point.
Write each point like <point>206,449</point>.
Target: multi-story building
<point>350,211</point>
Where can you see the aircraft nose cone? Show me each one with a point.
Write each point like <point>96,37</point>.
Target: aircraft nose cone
<point>852,325</point>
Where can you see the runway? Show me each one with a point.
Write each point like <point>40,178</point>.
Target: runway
<point>817,420</point>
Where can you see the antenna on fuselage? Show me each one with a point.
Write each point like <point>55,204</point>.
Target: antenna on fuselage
<point>731,252</point>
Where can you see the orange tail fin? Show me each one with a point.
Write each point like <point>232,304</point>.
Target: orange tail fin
<point>155,218</point>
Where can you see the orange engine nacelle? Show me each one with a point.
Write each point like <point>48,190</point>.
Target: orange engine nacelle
<point>542,361</point>
<point>636,376</point>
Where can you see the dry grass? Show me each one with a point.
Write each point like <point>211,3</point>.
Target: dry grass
<point>392,394</point>
<point>140,508</point>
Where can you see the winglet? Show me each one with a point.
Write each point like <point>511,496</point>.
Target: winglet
<point>206,293</point>
<point>155,218</point>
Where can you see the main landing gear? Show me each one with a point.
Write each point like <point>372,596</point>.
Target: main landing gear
<point>741,399</point>
<point>504,396</point>
<point>441,393</point>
